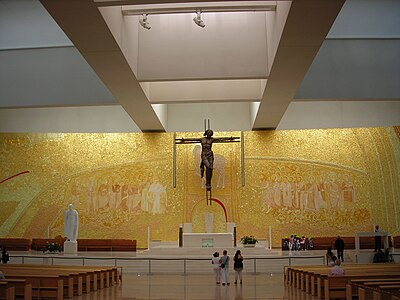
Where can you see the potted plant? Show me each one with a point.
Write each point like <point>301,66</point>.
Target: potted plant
<point>248,241</point>
<point>53,247</point>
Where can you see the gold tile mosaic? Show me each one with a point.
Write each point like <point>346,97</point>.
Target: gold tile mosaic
<point>312,182</point>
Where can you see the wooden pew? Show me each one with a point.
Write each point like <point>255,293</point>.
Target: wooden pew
<point>16,244</point>
<point>316,278</point>
<point>48,286</point>
<point>386,288</point>
<point>335,286</point>
<point>41,244</point>
<point>106,245</point>
<point>92,276</point>
<point>354,287</point>
<point>70,279</point>
<point>7,292</point>
<point>22,288</point>
<point>42,282</point>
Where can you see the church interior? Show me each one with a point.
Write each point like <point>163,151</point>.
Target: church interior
<point>104,107</point>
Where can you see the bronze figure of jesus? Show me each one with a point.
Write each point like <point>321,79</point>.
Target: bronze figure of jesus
<point>207,155</point>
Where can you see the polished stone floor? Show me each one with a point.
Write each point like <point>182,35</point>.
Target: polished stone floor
<point>198,287</point>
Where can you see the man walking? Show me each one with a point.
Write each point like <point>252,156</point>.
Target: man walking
<point>339,246</point>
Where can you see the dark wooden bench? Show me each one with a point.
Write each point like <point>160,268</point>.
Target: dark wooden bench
<point>15,244</point>
<point>39,244</point>
<point>396,242</point>
<point>106,245</point>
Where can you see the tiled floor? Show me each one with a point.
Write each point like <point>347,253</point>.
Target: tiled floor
<point>169,282</point>
<point>198,287</point>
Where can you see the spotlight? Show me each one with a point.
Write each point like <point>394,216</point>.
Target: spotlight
<point>198,21</point>
<point>143,21</point>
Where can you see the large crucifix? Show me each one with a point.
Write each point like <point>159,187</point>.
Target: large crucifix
<point>207,155</point>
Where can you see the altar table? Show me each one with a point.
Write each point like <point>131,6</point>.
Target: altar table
<point>208,240</point>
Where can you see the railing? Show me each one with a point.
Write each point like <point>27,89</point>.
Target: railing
<point>151,265</point>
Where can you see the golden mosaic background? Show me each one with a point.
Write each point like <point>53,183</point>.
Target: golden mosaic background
<point>312,182</point>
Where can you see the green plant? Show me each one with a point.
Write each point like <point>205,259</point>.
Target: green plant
<point>53,247</point>
<point>248,240</point>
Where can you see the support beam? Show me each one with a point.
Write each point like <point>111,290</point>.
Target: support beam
<point>307,25</point>
<point>82,22</point>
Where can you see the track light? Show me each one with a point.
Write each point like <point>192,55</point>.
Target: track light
<point>198,21</point>
<point>143,21</point>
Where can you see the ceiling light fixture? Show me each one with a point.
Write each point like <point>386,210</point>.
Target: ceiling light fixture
<point>198,21</point>
<point>143,21</point>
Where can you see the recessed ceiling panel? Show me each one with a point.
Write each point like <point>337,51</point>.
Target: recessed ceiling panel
<point>232,45</point>
<point>204,90</point>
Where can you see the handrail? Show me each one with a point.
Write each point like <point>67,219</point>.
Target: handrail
<point>49,259</point>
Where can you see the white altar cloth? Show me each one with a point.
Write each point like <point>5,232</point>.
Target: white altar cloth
<point>207,240</point>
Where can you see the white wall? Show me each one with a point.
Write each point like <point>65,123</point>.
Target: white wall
<point>190,117</point>
<point>67,119</point>
<point>340,114</point>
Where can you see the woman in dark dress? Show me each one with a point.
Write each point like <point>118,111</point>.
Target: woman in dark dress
<point>238,266</point>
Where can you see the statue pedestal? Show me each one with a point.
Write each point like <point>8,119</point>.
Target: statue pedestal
<point>70,247</point>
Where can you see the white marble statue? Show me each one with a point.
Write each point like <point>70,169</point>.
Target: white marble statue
<point>71,223</point>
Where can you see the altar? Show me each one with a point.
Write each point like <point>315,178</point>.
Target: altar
<point>219,240</point>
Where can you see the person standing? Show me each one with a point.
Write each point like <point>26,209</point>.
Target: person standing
<point>339,246</point>
<point>291,242</point>
<point>4,255</point>
<point>216,267</point>
<point>378,239</point>
<point>238,266</point>
<point>303,243</point>
<point>224,261</point>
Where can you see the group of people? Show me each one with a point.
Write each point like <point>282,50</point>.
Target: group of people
<point>221,267</point>
<point>335,261</point>
<point>296,243</point>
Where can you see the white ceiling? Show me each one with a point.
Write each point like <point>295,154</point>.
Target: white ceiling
<point>242,71</point>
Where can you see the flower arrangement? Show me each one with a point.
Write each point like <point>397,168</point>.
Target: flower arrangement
<point>248,240</point>
<point>53,247</point>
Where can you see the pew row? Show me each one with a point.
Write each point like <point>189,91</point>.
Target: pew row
<point>317,281</point>
<point>75,280</point>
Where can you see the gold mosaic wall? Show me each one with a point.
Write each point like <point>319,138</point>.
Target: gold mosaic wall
<point>312,182</point>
